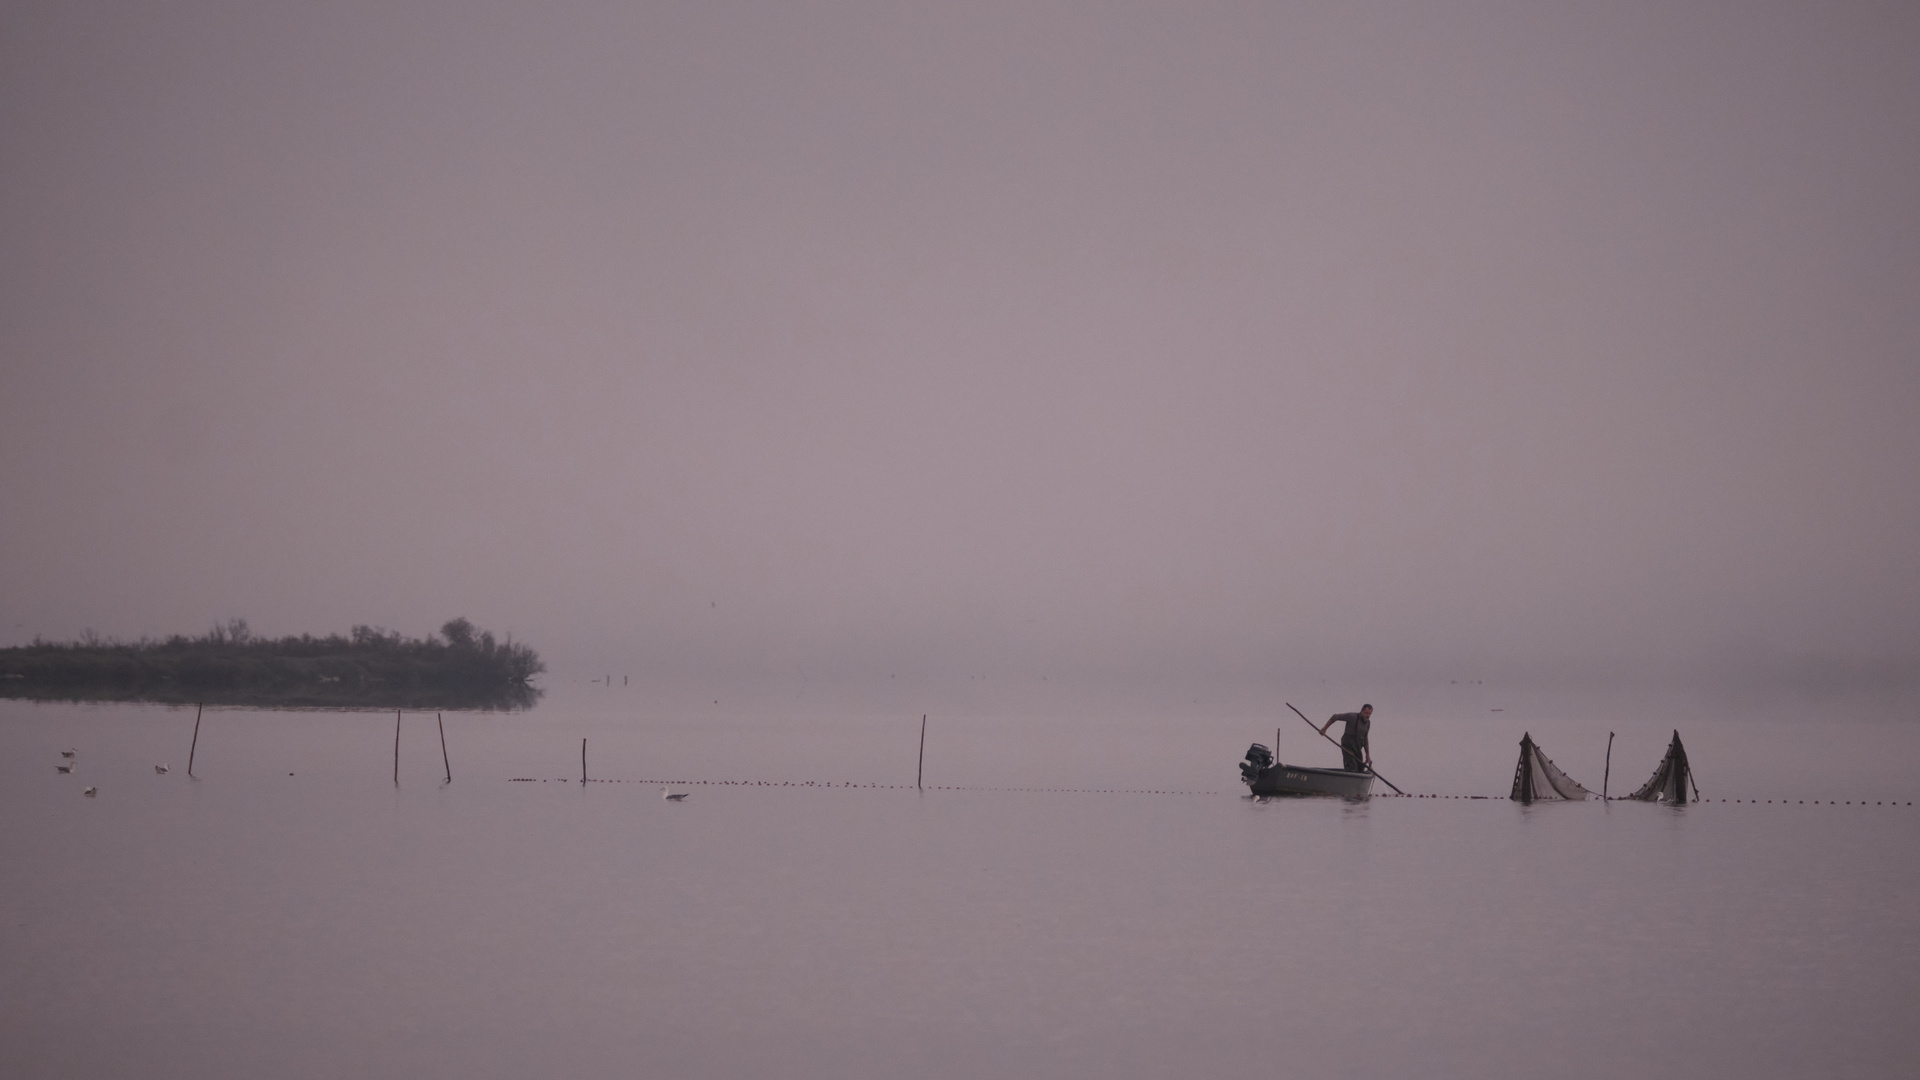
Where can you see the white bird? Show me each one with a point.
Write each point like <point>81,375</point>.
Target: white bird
<point>674,796</point>
<point>91,792</point>
<point>63,768</point>
<point>161,769</point>
<point>68,752</point>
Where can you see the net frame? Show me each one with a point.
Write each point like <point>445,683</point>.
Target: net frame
<point>1670,780</point>
<point>1537,778</point>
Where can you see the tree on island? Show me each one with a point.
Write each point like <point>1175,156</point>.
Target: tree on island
<point>372,667</point>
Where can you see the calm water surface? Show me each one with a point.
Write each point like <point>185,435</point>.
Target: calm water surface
<point>294,913</point>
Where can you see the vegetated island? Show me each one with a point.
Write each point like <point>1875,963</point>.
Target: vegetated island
<point>461,668</point>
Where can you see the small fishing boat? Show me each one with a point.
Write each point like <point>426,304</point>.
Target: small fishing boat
<point>1265,776</point>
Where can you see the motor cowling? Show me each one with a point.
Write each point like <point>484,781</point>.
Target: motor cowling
<point>1259,759</point>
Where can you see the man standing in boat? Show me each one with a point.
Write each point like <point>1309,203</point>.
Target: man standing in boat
<point>1355,753</point>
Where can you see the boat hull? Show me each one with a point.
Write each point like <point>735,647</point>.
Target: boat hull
<point>1300,780</point>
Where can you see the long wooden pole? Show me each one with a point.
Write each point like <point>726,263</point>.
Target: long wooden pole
<point>1608,775</point>
<point>583,761</point>
<point>396,748</point>
<point>191,750</point>
<point>1336,742</point>
<point>922,770</point>
<point>448,762</point>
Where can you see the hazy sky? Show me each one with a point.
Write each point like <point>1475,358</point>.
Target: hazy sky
<point>1187,340</point>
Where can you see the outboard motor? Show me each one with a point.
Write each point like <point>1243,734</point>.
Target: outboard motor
<point>1259,760</point>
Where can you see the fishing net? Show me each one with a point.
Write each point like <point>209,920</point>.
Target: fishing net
<point>1537,777</point>
<point>1669,782</point>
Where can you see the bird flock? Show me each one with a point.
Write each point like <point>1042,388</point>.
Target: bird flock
<point>71,759</point>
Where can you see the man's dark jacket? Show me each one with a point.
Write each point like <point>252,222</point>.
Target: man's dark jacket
<point>1353,740</point>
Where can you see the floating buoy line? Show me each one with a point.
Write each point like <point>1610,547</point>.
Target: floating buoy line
<point>1676,759</point>
<point>849,785</point>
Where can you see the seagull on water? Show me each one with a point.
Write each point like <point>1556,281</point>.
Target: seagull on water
<point>68,752</point>
<point>63,768</point>
<point>91,792</point>
<point>162,770</point>
<point>674,796</point>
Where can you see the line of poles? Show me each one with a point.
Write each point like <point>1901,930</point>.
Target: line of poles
<point>439,719</point>
<point>919,777</point>
<point>441,722</point>
<point>447,761</point>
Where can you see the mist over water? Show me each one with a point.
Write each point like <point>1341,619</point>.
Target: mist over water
<point>1092,380</point>
<point>750,344</point>
<point>294,912</point>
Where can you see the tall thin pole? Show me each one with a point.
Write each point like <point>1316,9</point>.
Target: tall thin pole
<point>196,736</point>
<point>1608,775</point>
<point>396,748</point>
<point>448,762</point>
<point>583,761</point>
<point>1683,760</point>
<point>922,770</point>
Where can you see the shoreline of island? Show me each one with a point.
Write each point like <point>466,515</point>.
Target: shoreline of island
<point>461,667</point>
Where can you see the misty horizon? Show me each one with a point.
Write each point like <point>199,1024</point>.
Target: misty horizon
<point>750,345</point>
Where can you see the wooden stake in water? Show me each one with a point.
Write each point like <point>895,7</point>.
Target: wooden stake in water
<point>191,750</point>
<point>921,771</point>
<point>1608,775</point>
<point>441,720</point>
<point>396,748</point>
<point>583,761</point>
